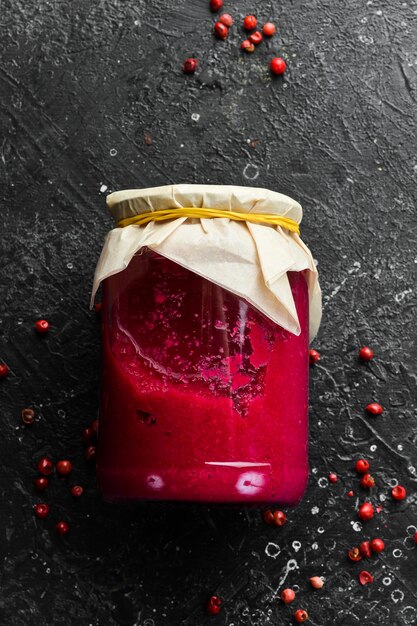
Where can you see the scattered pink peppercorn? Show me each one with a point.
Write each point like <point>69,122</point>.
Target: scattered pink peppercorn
<point>365,577</point>
<point>189,66</point>
<point>366,354</point>
<point>374,408</point>
<point>90,453</point>
<point>63,467</point>
<point>350,493</point>
<point>365,549</point>
<point>214,605</point>
<point>45,466</point>
<point>269,29</point>
<point>377,545</point>
<point>221,31</point>
<point>41,326</point>
<point>288,596</point>
<point>61,528</point>
<point>28,416</point>
<point>278,67</point>
<point>41,483</point>
<point>77,491</point>
<point>41,510</point>
<point>247,46</point>
<point>88,435</point>
<point>279,518</point>
<point>316,582</point>
<point>313,355</point>
<point>354,555</point>
<point>216,5</point>
<point>398,492</point>
<point>256,37</point>
<point>300,616</point>
<point>268,517</point>
<point>362,466</point>
<point>332,477</point>
<point>366,511</point>
<point>4,370</point>
<point>367,481</point>
<point>226,19</point>
<point>250,22</point>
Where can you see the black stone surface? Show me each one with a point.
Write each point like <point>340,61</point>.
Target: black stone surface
<point>83,88</point>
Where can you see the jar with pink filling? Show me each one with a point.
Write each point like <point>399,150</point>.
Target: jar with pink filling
<point>204,397</point>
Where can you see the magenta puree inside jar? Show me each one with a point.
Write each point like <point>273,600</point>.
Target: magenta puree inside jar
<point>204,399</point>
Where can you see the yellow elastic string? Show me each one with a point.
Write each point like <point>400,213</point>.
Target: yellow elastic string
<point>194,212</point>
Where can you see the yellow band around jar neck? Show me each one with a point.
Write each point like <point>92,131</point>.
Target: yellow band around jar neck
<point>194,212</point>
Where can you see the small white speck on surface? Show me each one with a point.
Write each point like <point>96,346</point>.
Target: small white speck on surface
<point>272,550</point>
<point>195,117</point>
<point>113,152</point>
<point>103,188</point>
<point>397,553</point>
<point>373,448</point>
<point>357,526</point>
<point>315,510</point>
<point>296,545</point>
<point>397,595</point>
<point>322,482</point>
<point>251,171</point>
<point>315,546</point>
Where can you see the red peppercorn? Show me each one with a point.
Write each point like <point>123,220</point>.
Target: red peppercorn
<point>269,29</point>
<point>288,596</point>
<point>398,492</point>
<point>278,67</point>
<point>256,37</point>
<point>41,483</point>
<point>77,491</point>
<point>221,31</point>
<point>366,354</point>
<point>41,510</point>
<point>214,605</point>
<point>4,370</point>
<point>28,416</point>
<point>250,22</point>
<point>63,467</point>
<point>216,5</point>
<point>350,493</point>
<point>377,545</point>
<point>90,453</point>
<point>189,66</point>
<point>88,435</point>
<point>316,582</point>
<point>279,518</point>
<point>374,408</point>
<point>365,577</point>
<point>365,549</point>
<point>41,326</point>
<point>362,466</point>
<point>226,19</point>
<point>61,528</point>
<point>332,477</point>
<point>366,511</point>
<point>354,555</point>
<point>45,466</point>
<point>367,481</point>
<point>247,46</point>
<point>301,616</point>
<point>268,517</point>
<point>313,355</point>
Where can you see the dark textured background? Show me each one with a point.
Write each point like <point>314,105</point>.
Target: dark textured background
<point>82,83</point>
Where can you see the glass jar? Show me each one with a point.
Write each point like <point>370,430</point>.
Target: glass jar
<point>204,398</point>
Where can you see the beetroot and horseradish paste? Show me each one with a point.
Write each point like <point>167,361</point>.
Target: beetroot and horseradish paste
<point>204,398</point>
<point>206,326</point>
